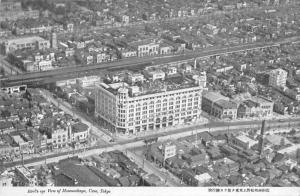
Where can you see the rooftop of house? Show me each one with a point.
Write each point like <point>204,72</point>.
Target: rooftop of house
<point>214,96</point>
<point>246,139</point>
<point>79,127</point>
<point>142,43</point>
<point>25,39</point>
<point>226,104</point>
<point>79,173</point>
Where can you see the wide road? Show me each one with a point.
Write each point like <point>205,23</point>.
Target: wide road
<point>151,169</point>
<point>163,136</point>
<point>73,72</point>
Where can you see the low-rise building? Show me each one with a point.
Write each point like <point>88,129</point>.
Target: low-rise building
<point>243,141</point>
<point>6,179</point>
<point>168,150</point>
<point>255,107</point>
<point>88,81</point>
<point>25,143</point>
<point>80,132</point>
<point>32,42</point>
<point>145,48</point>
<point>278,78</point>
<point>219,106</point>
<point>203,178</point>
<point>25,177</point>
<point>128,52</point>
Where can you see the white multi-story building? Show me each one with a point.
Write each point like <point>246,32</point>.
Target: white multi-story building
<point>128,107</point>
<point>145,48</point>
<point>278,78</point>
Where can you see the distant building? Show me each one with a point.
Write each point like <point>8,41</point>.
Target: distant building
<point>12,10</point>
<point>25,176</point>
<point>128,53</point>
<point>88,81</point>
<point>6,179</point>
<point>33,42</point>
<point>70,172</point>
<point>165,49</point>
<point>168,150</point>
<point>146,48</point>
<point>278,78</point>
<point>25,143</point>
<point>80,132</point>
<point>219,106</point>
<point>243,141</point>
<point>203,178</point>
<point>255,107</point>
<point>62,134</point>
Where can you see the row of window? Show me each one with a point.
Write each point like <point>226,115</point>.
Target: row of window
<point>165,102</point>
<point>158,109</point>
<point>183,113</point>
<point>170,96</point>
<point>151,120</point>
<point>146,48</point>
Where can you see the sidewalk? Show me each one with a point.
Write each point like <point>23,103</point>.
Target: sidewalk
<point>202,121</point>
<point>275,116</point>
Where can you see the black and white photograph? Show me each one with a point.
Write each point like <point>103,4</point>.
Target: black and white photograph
<point>150,97</point>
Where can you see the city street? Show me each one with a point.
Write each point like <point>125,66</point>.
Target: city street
<point>175,134</point>
<point>68,109</point>
<point>163,134</point>
<point>149,168</point>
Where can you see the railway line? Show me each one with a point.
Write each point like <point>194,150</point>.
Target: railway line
<point>78,71</point>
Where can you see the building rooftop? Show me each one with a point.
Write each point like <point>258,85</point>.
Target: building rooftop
<point>79,127</point>
<point>18,139</point>
<point>80,173</point>
<point>25,39</point>
<point>151,87</point>
<point>226,104</point>
<point>214,96</point>
<point>246,139</point>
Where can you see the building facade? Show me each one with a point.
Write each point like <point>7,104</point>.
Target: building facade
<point>255,107</point>
<point>219,106</point>
<point>130,109</point>
<point>146,48</point>
<point>33,42</point>
<point>278,78</point>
